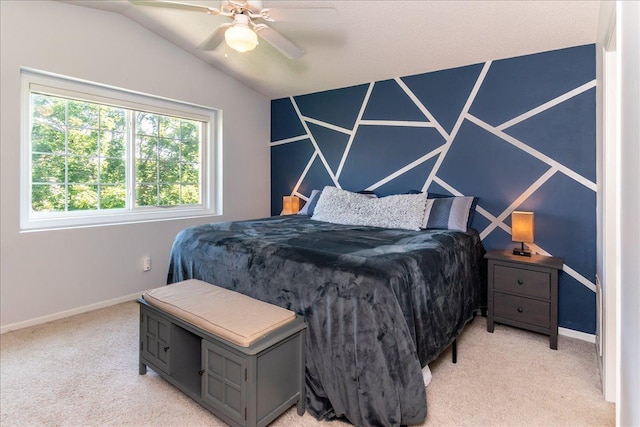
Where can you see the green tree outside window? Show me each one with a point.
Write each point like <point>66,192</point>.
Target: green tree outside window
<point>79,157</point>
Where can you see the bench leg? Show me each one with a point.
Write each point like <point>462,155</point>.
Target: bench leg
<point>142,368</point>
<point>301,406</point>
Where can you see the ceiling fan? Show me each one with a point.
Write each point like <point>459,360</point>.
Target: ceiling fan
<point>241,34</point>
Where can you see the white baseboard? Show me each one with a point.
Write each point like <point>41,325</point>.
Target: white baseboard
<point>44,319</point>
<point>577,334</point>
<point>67,313</point>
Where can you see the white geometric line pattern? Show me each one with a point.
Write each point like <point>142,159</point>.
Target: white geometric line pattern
<point>355,129</point>
<point>315,145</point>
<point>327,125</point>
<point>449,138</point>
<point>303,175</point>
<point>396,123</point>
<point>421,107</point>
<point>517,202</point>
<point>441,151</point>
<point>405,169</point>
<point>535,153</point>
<point>577,91</point>
<point>289,140</point>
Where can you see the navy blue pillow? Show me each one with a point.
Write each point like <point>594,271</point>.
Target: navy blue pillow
<point>368,193</point>
<point>438,196</point>
<point>308,207</point>
<point>472,209</point>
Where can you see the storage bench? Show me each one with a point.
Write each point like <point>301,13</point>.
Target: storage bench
<point>240,358</point>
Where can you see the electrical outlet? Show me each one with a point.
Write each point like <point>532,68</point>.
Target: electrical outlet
<point>146,263</point>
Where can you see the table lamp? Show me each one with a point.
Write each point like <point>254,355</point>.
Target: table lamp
<point>522,231</point>
<point>290,205</point>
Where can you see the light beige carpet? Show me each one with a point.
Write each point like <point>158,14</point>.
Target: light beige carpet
<point>83,371</point>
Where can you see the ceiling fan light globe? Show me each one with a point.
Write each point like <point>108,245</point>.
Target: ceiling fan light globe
<point>241,38</point>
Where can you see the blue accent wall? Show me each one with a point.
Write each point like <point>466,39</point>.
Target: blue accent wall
<point>518,133</point>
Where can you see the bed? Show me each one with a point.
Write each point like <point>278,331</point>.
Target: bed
<point>379,303</point>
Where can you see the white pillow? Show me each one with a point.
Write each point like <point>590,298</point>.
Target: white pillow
<point>345,207</point>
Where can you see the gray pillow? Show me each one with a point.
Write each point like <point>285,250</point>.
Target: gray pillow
<point>345,207</point>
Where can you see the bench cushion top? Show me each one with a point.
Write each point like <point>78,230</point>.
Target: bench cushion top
<point>221,312</point>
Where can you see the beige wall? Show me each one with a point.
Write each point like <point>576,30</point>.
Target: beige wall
<point>48,274</point>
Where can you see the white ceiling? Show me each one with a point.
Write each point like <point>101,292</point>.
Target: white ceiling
<point>364,41</point>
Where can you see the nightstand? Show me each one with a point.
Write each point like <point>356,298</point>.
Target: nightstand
<point>523,292</point>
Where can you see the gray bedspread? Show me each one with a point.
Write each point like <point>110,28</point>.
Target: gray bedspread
<point>379,303</point>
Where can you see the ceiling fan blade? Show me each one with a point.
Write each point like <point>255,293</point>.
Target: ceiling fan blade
<point>279,41</point>
<point>176,5</point>
<point>214,40</point>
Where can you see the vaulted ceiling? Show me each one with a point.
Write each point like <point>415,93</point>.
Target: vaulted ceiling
<point>353,42</point>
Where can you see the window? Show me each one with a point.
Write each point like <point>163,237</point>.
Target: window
<point>94,155</point>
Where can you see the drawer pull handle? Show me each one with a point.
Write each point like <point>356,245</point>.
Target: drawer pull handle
<point>166,348</point>
<point>520,282</point>
<point>520,310</point>
<point>200,372</point>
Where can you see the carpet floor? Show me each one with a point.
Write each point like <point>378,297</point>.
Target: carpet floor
<point>83,371</point>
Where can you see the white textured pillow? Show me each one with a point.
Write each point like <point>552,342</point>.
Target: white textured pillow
<point>344,207</point>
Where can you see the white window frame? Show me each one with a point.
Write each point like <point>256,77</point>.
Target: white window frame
<point>57,85</point>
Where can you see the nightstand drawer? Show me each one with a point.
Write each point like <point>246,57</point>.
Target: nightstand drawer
<point>521,309</point>
<point>524,282</point>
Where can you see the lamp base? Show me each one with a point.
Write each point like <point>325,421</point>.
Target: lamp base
<point>521,252</point>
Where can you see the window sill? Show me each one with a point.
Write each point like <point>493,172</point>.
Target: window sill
<point>85,221</point>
